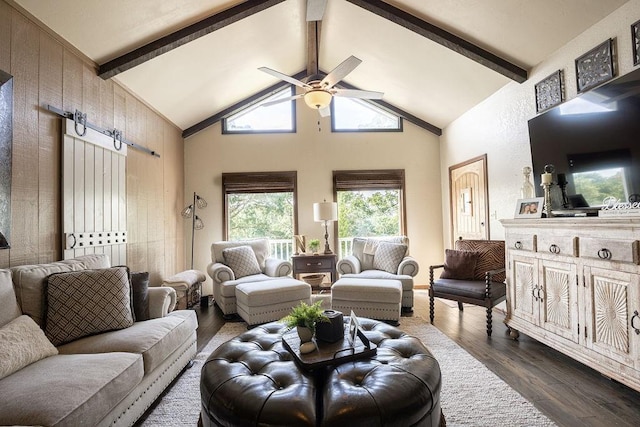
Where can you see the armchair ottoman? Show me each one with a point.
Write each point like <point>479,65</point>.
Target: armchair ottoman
<point>232,264</point>
<point>382,259</point>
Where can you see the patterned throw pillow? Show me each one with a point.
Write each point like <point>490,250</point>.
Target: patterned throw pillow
<point>459,265</point>
<point>388,256</point>
<point>242,261</point>
<point>87,302</point>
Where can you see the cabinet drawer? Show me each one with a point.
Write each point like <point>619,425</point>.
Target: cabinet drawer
<point>610,249</point>
<point>523,242</point>
<point>558,245</point>
<point>311,264</point>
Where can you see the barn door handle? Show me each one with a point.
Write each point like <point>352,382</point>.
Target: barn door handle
<point>633,318</point>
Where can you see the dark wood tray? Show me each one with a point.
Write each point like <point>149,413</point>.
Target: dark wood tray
<point>329,353</point>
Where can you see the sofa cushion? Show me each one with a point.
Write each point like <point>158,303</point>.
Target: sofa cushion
<point>89,386</point>
<point>87,302</point>
<point>154,339</point>
<point>140,293</point>
<point>469,288</point>
<point>9,308</point>
<point>242,261</point>
<point>459,265</point>
<point>29,282</point>
<point>260,248</point>
<point>22,343</point>
<point>388,256</point>
<point>228,288</point>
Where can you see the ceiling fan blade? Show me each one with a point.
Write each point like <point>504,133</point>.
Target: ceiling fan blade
<point>284,77</point>
<point>340,72</point>
<point>315,9</point>
<point>325,112</point>
<point>278,101</point>
<point>355,93</point>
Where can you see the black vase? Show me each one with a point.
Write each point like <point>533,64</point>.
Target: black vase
<point>333,330</point>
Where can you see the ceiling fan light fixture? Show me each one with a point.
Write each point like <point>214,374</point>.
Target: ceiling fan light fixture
<point>317,98</point>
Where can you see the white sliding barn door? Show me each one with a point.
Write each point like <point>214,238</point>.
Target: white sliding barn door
<point>94,210</point>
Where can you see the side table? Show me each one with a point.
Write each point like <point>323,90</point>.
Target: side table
<point>321,263</point>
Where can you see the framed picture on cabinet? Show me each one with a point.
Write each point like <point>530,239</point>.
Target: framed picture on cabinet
<point>635,42</point>
<point>529,208</point>
<point>595,66</point>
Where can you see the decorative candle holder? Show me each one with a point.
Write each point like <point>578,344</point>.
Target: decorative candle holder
<point>546,186</point>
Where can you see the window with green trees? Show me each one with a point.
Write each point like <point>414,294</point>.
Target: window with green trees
<point>595,186</point>
<point>370,203</point>
<point>261,205</point>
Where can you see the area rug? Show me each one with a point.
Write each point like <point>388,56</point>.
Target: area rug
<point>471,394</point>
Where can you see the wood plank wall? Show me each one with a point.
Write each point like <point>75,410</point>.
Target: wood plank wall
<point>45,72</point>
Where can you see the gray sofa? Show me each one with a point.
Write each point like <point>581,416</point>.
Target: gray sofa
<point>363,264</point>
<point>104,379</point>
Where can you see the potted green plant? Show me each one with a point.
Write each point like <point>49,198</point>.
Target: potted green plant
<point>314,245</point>
<point>304,318</point>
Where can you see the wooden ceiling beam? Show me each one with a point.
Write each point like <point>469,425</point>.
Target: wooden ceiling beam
<point>443,37</point>
<point>313,47</point>
<point>183,36</point>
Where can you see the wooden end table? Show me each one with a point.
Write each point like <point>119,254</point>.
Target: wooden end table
<point>321,263</point>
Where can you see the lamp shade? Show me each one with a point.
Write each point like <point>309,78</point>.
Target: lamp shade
<point>325,211</point>
<point>317,98</point>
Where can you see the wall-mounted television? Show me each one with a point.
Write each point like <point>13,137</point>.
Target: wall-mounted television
<point>593,141</point>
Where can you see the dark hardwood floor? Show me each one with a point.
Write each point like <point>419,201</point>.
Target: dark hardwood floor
<point>568,392</point>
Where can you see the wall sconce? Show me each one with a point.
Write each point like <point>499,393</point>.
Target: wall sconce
<point>196,222</point>
<point>325,211</point>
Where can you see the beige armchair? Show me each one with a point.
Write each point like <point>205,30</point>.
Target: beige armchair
<point>382,258</point>
<point>227,273</point>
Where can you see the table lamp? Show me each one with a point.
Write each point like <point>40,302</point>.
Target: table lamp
<point>325,211</point>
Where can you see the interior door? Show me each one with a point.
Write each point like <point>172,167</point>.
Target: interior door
<point>469,205</point>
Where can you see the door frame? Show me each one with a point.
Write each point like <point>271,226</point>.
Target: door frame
<point>483,159</point>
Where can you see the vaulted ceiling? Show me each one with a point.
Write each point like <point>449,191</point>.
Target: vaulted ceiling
<point>193,60</point>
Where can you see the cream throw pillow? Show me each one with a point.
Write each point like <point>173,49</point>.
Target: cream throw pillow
<point>242,260</point>
<point>389,256</point>
<point>22,343</point>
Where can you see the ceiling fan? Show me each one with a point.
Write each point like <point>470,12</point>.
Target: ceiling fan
<point>318,91</point>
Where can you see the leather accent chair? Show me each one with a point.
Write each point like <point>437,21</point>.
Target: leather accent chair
<point>479,282</point>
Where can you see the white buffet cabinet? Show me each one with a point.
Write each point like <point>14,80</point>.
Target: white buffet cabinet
<point>574,284</point>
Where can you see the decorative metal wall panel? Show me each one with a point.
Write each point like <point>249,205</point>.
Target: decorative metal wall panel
<point>6,143</point>
<point>549,92</point>
<point>635,41</point>
<point>595,66</point>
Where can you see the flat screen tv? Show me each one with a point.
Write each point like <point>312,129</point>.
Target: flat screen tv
<point>593,141</point>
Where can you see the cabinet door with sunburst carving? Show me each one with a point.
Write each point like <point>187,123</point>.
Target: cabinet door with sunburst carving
<point>611,296</point>
<point>558,298</point>
<point>523,285</point>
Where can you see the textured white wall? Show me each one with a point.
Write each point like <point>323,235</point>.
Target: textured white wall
<point>315,154</point>
<point>498,126</point>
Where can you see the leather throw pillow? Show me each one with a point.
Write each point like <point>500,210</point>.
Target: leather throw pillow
<point>459,265</point>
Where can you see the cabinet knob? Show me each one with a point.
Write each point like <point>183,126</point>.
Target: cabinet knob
<point>518,245</point>
<point>633,318</point>
<point>554,249</point>
<point>604,253</point>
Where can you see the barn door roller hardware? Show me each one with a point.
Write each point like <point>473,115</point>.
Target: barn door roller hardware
<point>81,124</point>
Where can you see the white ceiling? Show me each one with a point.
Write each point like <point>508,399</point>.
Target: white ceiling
<point>417,75</point>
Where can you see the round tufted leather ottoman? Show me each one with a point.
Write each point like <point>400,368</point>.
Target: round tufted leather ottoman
<point>252,380</point>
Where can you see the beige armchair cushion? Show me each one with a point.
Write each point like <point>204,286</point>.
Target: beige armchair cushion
<point>242,261</point>
<point>260,248</point>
